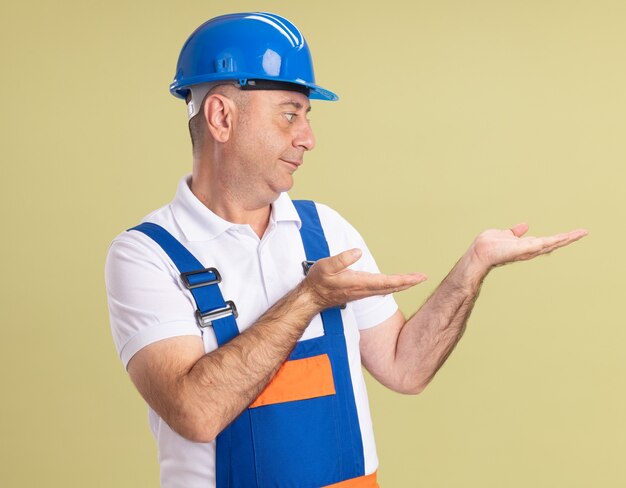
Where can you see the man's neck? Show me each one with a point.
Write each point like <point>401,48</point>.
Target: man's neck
<point>229,206</point>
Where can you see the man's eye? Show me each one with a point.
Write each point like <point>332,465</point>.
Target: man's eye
<point>290,116</point>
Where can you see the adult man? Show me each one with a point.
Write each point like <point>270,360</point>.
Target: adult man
<point>275,397</point>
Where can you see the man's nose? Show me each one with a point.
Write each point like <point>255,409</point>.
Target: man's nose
<point>305,137</point>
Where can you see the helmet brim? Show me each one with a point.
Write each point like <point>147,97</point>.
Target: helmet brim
<point>316,91</point>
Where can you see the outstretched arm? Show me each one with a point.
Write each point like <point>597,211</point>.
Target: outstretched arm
<point>405,354</point>
<point>199,394</point>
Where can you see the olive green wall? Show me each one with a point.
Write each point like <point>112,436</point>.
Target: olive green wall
<point>455,116</point>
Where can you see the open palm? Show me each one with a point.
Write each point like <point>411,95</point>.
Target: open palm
<point>495,247</point>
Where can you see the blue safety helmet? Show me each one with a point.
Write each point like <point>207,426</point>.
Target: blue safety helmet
<point>259,50</point>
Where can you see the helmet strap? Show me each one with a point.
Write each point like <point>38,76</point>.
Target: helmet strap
<point>197,93</point>
<point>274,85</point>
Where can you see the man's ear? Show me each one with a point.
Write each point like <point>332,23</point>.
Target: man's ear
<point>218,115</point>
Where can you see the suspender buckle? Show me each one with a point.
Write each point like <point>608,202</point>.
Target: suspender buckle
<point>206,319</point>
<point>197,283</point>
<point>306,266</point>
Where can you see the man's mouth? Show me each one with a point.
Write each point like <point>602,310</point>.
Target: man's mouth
<point>294,163</point>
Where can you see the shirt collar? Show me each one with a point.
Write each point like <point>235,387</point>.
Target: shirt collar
<point>198,223</point>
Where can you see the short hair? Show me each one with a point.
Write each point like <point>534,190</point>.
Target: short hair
<point>197,124</point>
<point>197,127</point>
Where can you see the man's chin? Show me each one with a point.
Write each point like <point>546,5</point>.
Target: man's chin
<point>285,184</point>
<point>274,190</point>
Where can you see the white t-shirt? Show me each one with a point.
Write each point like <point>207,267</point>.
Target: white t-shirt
<point>148,302</point>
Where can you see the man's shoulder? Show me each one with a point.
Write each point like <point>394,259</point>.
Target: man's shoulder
<point>162,216</point>
<point>137,244</point>
<point>331,217</point>
<point>165,216</point>
<point>327,214</point>
<point>339,233</point>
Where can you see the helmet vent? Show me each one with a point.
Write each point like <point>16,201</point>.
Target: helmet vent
<point>225,65</point>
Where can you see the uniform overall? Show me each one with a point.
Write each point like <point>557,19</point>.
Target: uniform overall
<point>303,430</point>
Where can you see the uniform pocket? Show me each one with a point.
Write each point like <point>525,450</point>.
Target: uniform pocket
<point>296,444</point>
<point>299,379</point>
<point>294,422</point>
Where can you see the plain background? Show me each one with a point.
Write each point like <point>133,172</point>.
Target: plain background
<point>454,117</point>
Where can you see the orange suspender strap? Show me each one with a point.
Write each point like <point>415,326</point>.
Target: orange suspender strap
<point>368,481</point>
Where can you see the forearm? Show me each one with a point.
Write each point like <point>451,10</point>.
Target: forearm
<point>224,382</point>
<point>405,355</point>
<point>199,394</point>
<point>430,335</point>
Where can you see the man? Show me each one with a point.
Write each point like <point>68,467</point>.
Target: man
<point>242,317</point>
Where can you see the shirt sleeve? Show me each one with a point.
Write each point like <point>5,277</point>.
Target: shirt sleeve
<point>341,236</point>
<point>147,302</point>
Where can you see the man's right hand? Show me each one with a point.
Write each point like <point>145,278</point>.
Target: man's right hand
<point>330,282</point>
<point>199,394</point>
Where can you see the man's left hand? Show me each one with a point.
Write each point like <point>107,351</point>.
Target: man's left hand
<point>495,247</point>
